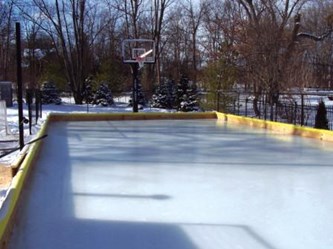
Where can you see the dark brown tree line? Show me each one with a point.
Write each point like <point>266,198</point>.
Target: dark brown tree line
<point>260,44</point>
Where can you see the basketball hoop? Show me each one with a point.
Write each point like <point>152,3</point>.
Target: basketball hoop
<point>137,52</point>
<point>141,59</point>
<point>134,48</point>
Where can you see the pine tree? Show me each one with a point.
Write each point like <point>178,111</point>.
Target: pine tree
<point>321,121</point>
<point>50,94</point>
<point>103,96</point>
<point>187,96</point>
<point>88,94</point>
<point>164,96</point>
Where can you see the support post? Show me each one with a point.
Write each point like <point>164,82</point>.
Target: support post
<point>302,109</point>
<point>135,73</point>
<point>19,84</point>
<point>218,101</point>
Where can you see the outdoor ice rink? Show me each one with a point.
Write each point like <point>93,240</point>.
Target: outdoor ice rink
<point>181,184</point>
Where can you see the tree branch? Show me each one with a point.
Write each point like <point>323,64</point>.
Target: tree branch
<point>314,37</point>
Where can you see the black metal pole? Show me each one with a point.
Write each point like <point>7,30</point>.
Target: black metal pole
<point>272,109</point>
<point>37,105</point>
<point>40,104</point>
<point>135,72</point>
<point>302,109</point>
<point>19,84</point>
<point>28,99</point>
<point>218,101</point>
<point>295,113</point>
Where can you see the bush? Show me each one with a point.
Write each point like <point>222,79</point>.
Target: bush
<point>164,96</point>
<point>321,121</point>
<point>50,94</point>
<point>103,96</point>
<point>187,96</point>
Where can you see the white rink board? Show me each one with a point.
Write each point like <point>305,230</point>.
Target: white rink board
<point>181,184</point>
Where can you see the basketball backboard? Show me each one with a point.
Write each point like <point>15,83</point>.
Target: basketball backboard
<point>138,51</point>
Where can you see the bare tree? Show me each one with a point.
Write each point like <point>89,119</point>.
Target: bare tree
<point>175,54</point>
<point>219,43</point>
<point>132,11</point>
<point>6,12</point>
<point>267,43</point>
<point>158,16</point>
<point>71,26</point>
<point>30,54</point>
<point>316,39</point>
<point>194,14</point>
<point>109,66</point>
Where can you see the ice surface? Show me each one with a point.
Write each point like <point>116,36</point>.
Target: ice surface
<point>67,106</point>
<point>176,185</point>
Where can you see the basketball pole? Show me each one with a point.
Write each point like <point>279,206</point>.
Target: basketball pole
<point>135,73</point>
<point>134,53</point>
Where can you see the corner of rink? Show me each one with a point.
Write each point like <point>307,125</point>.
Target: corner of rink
<point>277,127</point>
<point>8,209</point>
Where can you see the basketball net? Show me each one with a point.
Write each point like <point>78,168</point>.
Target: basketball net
<point>141,59</point>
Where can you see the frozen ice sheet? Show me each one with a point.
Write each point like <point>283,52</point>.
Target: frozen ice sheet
<point>176,185</point>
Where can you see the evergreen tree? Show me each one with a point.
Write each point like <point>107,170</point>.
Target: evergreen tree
<point>103,95</point>
<point>187,96</point>
<point>164,96</point>
<point>321,121</point>
<point>88,94</point>
<point>50,94</point>
<point>219,77</point>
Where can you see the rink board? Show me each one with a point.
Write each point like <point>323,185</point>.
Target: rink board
<point>230,232</point>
